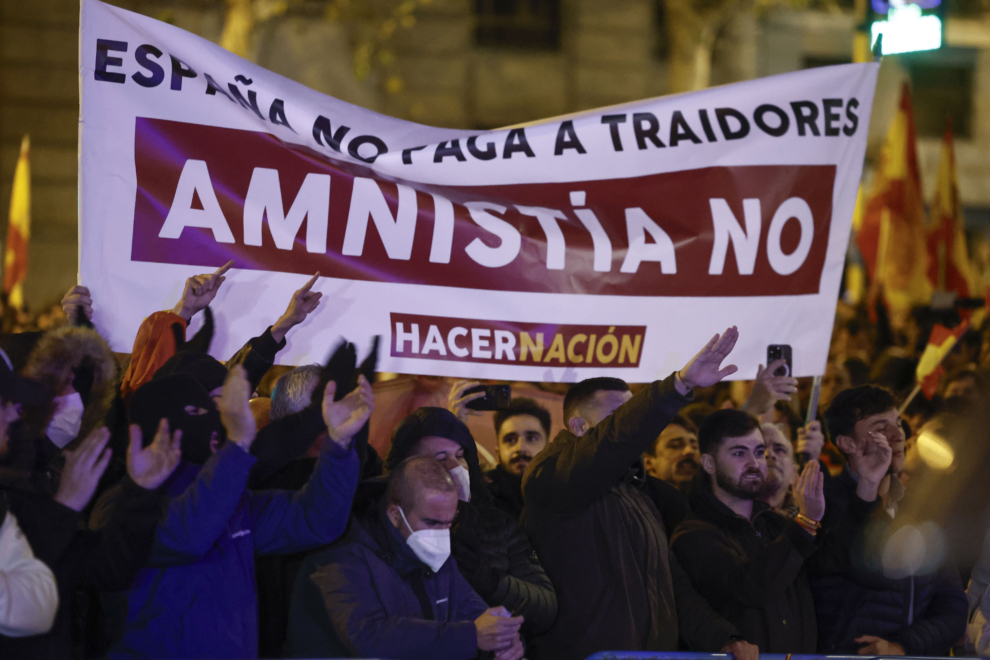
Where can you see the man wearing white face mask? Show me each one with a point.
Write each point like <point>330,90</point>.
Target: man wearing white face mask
<point>390,589</point>
<point>492,552</point>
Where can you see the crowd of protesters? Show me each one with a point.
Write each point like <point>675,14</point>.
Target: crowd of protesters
<point>160,509</point>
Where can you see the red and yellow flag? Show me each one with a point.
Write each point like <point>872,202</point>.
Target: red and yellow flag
<point>15,261</point>
<point>892,235</point>
<point>940,342</point>
<point>948,259</point>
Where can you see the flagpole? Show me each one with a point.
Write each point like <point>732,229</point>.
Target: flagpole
<point>909,399</point>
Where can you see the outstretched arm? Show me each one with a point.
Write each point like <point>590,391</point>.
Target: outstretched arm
<point>575,471</point>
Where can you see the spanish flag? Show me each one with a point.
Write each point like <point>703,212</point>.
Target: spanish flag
<point>892,235</point>
<point>940,342</point>
<point>948,259</point>
<point>15,261</point>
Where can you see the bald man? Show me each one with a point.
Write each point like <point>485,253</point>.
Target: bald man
<point>390,589</point>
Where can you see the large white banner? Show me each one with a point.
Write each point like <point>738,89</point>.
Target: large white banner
<point>610,242</point>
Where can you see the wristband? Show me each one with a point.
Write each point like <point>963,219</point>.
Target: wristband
<point>805,521</point>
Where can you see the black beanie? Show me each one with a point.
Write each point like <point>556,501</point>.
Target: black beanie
<point>206,369</point>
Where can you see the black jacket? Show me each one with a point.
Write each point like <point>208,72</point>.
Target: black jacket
<point>506,490</point>
<point>925,614</point>
<point>751,572</point>
<point>602,541</point>
<point>106,560</point>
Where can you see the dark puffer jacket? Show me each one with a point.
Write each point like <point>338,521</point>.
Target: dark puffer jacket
<point>751,572</point>
<point>925,614</point>
<point>493,554</point>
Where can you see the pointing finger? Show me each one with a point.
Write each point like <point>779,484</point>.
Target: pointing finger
<point>224,268</point>
<point>309,285</point>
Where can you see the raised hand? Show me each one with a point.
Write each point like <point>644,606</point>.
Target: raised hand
<point>704,369</point>
<point>345,418</point>
<point>497,629</point>
<point>769,389</point>
<point>871,462</point>
<point>809,491</point>
<point>301,304</point>
<point>150,466</point>
<point>811,440</point>
<point>83,469</point>
<point>457,402</point>
<point>200,291</point>
<point>235,409</point>
<point>77,297</point>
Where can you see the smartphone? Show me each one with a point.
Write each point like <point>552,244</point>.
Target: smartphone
<point>496,397</point>
<point>776,352</point>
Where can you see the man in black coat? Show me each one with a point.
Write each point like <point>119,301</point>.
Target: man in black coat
<point>861,609</point>
<point>601,536</point>
<point>745,558</point>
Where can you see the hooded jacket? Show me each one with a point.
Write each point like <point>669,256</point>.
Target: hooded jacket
<point>602,541</point>
<point>55,361</point>
<point>752,573</point>
<point>370,596</point>
<point>196,596</point>
<point>925,614</point>
<point>491,549</point>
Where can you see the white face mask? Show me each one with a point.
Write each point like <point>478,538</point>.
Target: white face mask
<point>462,479</point>
<point>67,420</point>
<point>432,546</point>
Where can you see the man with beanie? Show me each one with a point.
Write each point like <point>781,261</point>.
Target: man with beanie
<point>491,549</point>
<point>389,588</point>
<point>196,598</point>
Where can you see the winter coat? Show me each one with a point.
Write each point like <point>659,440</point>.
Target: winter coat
<point>752,573</point>
<point>496,558</point>
<point>107,560</point>
<point>602,541</point>
<point>28,595</point>
<point>196,598</point>
<point>370,596</point>
<point>506,490</point>
<point>925,614</point>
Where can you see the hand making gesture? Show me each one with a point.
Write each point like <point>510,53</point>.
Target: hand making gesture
<point>150,466</point>
<point>345,418</point>
<point>200,291</point>
<point>301,304</point>
<point>235,408</point>
<point>769,389</point>
<point>704,369</point>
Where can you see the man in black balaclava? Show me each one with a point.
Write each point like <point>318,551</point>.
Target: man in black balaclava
<point>181,400</point>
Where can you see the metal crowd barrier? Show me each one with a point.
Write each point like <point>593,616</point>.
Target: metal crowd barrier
<point>646,655</point>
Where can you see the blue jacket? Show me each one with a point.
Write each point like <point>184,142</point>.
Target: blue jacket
<point>196,598</point>
<point>370,596</point>
<point>925,614</point>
